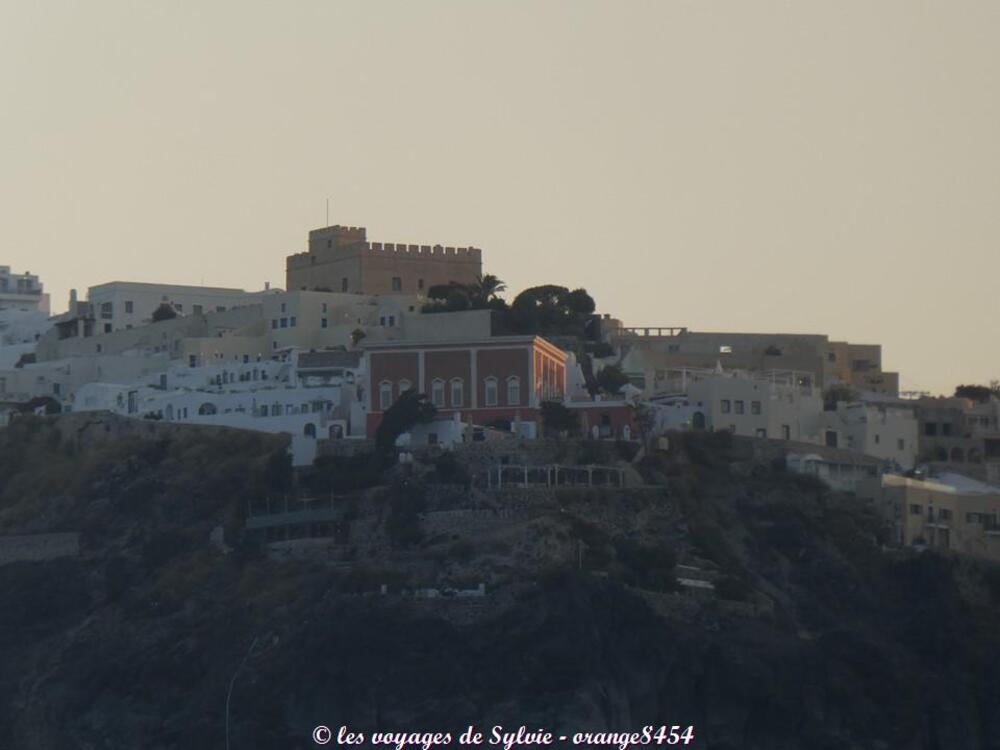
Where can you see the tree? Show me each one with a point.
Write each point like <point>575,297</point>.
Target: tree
<point>551,310</point>
<point>645,420</point>
<point>558,419</point>
<point>611,379</point>
<point>164,312</point>
<point>410,408</point>
<point>980,393</point>
<point>485,290</point>
<point>356,335</point>
<point>836,393</point>
<point>580,302</point>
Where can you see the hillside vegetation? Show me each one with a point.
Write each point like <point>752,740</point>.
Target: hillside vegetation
<point>817,638</point>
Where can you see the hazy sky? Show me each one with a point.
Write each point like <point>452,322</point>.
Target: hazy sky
<point>755,166</point>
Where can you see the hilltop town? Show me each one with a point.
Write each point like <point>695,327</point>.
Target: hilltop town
<point>386,486</point>
<point>362,326</point>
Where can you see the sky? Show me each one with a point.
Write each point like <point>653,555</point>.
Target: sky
<point>814,167</point>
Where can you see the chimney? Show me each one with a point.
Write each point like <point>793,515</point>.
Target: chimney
<point>267,285</point>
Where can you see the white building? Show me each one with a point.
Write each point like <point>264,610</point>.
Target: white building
<point>776,404</point>
<point>22,291</point>
<point>320,401</point>
<point>120,305</point>
<point>887,433</point>
<point>19,326</point>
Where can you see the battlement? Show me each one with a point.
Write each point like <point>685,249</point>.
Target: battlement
<point>340,231</point>
<point>389,248</point>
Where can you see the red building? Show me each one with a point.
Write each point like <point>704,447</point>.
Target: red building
<point>500,378</point>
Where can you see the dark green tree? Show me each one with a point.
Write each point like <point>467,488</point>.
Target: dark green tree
<point>485,290</point>
<point>836,393</point>
<point>410,409</point>
<point>164,312</point>
<point>611,379</point>
<point>980,393</point>
<point>558,419</point>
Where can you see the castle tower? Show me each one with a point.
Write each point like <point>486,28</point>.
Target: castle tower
<point>340,259</point>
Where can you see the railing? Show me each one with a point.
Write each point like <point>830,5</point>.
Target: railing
<point>551,475</point>
<point>651,331</point>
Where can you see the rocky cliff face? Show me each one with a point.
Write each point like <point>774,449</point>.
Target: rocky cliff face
<point>134,642</point>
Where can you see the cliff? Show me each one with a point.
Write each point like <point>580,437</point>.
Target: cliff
<point>816,637</point>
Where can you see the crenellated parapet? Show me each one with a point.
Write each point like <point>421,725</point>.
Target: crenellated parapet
<point>418,251</point>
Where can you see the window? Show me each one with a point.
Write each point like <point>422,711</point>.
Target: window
<point>930,429</point>
<point>198,309</point>
<point>457,392</point>
<point>129,307</point>
<point>755,407</point>
<point>945,514</point>
<point>491,391</point>
<point>877,439</point>
<point>392,321</point>
<point>283,307</point>
<point>274,322</point>
<point>946,428</point>
<point>284,322</point>
<point>397,284</point>
<point>739,407</point>
<point>381,321</point>
<point>323,306</point>
<point>437,392</point>
<point>420,283</point>
<point>343,284</point>
<point>192,360</point>
<point>786,432</point>
<point>725,350</point>
<point>322,322</point>
<point>107,310</point>
<point>916,510</point>
<point>725,406</point>
<point>107,328</point>
<point>901,444</point>
<point>831,357</point>
<point>404,385</point>
<point>384,395</point>
<point>178,307</point>
<point>220,308</point>
<point>291,322</point>
<point>513,391</point>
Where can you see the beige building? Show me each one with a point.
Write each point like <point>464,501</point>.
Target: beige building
<point>340,259</point>
<point>884,432</point>
<point>120,305</point>
<point>960,432</point>
<point>650,352</point>
<point>947,512</point>
<point>778,404</point>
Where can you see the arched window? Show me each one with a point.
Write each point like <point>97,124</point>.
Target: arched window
<point>491,391</point>
<point>384,395</point>
<point>437,392</point>
<point>513,391</point>
<point>457,392</point>
<point>404,385</point>
<point>207,408</point>
<point>310,430</point>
